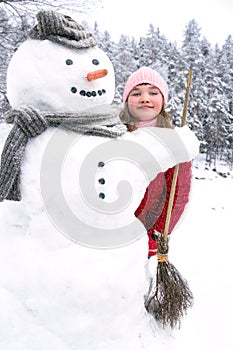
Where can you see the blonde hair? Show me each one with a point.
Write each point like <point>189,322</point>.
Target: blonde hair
<point>163,119</point>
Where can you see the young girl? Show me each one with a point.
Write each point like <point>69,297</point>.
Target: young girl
<point>145,96</point>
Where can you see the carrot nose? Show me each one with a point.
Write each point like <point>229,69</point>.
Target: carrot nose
<point>96,74</point>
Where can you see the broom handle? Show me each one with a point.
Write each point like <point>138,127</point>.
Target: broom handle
<point>176,169</point>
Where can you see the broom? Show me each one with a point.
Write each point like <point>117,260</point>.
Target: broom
<point>170,298</point>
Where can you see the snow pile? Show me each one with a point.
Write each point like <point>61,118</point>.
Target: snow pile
<point>57,294</point>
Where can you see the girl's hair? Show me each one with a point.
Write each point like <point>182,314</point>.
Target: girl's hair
<point>163,119</point>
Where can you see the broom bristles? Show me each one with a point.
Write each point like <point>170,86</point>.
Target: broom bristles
<point>169,297</point>
<point>172,298</point>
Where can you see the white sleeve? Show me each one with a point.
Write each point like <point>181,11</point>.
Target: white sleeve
<point>190,141</point>
<point>167,147</point>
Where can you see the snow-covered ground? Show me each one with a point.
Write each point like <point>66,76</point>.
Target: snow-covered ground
<point>200,248</point>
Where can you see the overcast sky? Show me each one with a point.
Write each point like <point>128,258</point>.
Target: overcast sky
<point>132,17</point>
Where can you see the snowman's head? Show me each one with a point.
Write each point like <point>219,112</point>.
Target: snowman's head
<point>52,76</point>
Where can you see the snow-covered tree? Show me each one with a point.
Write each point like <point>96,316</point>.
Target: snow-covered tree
<point>124,63</point>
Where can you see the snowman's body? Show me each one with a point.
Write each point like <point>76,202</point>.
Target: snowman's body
<point>86,297</point>
<point>109,284</point>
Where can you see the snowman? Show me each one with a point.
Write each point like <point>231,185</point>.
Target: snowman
<point>71,178</point>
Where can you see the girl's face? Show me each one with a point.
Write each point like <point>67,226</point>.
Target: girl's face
<point>145,102</point>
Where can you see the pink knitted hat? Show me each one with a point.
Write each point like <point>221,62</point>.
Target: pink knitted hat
<point>145,75</point>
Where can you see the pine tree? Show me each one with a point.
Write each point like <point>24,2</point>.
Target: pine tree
<point>192,56</point>
<point>226,62</point>
<point>124,64</point>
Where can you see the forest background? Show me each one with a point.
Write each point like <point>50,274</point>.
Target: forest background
<point>210,112</point>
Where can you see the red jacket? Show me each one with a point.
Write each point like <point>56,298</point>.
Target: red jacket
<point>152,210</point>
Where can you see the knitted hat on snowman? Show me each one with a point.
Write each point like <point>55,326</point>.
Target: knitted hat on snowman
<point>61,29</point>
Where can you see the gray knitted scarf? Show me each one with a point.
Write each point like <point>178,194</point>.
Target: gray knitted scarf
<point>28,123</point>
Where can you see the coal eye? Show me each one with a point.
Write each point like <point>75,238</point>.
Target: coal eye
<point>69,62</point>
<point>73,89</point>
<point>95,62</point>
